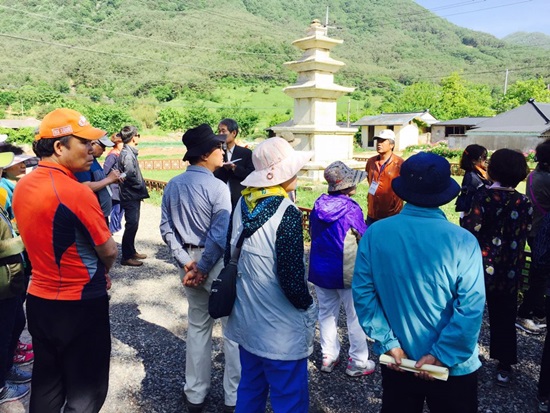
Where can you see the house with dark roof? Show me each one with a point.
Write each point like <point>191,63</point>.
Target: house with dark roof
<point>521,128</point>
<point>411,128</point>
<point>443,130</point>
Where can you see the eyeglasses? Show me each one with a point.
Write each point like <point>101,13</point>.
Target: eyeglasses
<point>221,146</point>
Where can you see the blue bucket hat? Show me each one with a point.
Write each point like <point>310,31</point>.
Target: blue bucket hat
<point>425,180</point>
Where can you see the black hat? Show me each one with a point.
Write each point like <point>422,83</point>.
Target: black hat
<point>425,180</point>
<point>200,140</point>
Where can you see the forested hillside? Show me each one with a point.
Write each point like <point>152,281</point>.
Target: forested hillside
<point>537,39</point>
<point>117,51</point>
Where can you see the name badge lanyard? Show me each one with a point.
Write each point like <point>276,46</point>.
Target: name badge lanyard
<point>374,184</point>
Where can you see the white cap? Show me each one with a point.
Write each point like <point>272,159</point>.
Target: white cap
<point>386,134</point>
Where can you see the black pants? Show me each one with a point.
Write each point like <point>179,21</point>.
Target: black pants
<point>72,349</point>
<point>502,308</point>
<point>131,211</point>
<point>12,322</point>
<point>405,393</point>
<point>533,300</point>
<point>544,378</point>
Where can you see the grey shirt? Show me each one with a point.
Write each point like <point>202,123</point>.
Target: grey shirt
<point>196,207</point>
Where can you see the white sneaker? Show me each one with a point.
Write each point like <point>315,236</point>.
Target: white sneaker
<point>355,370</point>
<point>528,326</point>
<point>329,364</point>
<point>540,321</point>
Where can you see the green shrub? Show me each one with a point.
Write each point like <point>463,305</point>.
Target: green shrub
<point>107,117</point>
<point>170,119</point>
<point>439,148</point>
<point>23,135</point>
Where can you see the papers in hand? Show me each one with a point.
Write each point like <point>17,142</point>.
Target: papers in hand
<point>437,372</point>
<point>232,161</point>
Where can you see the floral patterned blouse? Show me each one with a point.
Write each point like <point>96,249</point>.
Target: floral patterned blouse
<point>500,219</point>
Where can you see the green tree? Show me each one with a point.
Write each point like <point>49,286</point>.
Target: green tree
<point>460,98</point>
<point>246,118</point>
<point>107,117</point>
<point>521,91</point>
<point>198,115</point>
<point>419,96</point>
<point>170,119</point>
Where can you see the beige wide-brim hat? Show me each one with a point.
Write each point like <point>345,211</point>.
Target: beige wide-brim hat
<point>275,162</point>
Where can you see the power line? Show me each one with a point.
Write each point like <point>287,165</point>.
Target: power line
<point>144,59</point>
<point>445,7</point>
<point>136,37</point>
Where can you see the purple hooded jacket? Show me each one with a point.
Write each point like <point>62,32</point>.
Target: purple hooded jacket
<point>336,225</point>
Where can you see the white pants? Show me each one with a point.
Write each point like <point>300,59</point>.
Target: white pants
<point>329,310</point>
<point>198,358</point>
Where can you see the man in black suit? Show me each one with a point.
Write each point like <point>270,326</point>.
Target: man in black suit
<point>237,160</point>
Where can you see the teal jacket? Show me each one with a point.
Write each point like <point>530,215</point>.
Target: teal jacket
<point>418,285</point>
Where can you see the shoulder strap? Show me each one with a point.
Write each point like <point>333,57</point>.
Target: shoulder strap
<point>237,251</point>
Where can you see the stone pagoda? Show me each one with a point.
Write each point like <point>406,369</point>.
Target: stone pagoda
<point>315,93</point>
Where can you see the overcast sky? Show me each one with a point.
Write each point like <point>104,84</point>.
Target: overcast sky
<point>498,17</point>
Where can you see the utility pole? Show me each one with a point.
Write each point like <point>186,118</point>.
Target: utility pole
<point>349,108</point>
<point>506,82</point>
<point>326,24</point>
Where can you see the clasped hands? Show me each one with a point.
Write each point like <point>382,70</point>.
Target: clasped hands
<point>193,276</point>
<point>397,353</point>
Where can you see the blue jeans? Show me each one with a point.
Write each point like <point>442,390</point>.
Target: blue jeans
<point>115,223</point>
<point>12,320</point>
<point>286,381</point>
<point>131,211</point>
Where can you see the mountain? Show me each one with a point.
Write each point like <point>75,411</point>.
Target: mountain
<point>531,39</point>
<point>130,47</point>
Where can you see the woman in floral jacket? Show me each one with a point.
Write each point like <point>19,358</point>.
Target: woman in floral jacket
<point>500,219</point>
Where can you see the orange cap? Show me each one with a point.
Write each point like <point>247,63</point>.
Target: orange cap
<point>65,122</point>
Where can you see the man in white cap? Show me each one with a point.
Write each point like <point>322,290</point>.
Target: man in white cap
<point>419,292</point>
<point>382,169</point>
<point>195,217</point>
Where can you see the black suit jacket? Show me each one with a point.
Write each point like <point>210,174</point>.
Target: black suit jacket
<point>243,169</point>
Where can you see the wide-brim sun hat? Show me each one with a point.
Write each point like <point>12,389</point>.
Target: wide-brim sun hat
<point>65,122</point>
<point>339,176</point>
<point>425,180</point>
<point>275,162</point>
<point>6,158</point>
<point>200,140</point>
<point>20,158</point>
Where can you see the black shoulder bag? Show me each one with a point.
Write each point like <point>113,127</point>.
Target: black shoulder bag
<point>224,288</point>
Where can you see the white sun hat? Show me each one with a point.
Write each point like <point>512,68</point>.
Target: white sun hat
<point>275,162</point>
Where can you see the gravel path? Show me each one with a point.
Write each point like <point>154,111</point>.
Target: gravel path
<point>149,320</point>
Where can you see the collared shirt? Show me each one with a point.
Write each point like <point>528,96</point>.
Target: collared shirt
<point>196,207</point>
<point>418,285</point>
<point>384,202</point>
<point>60,222</point>
<point>96,174</point>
